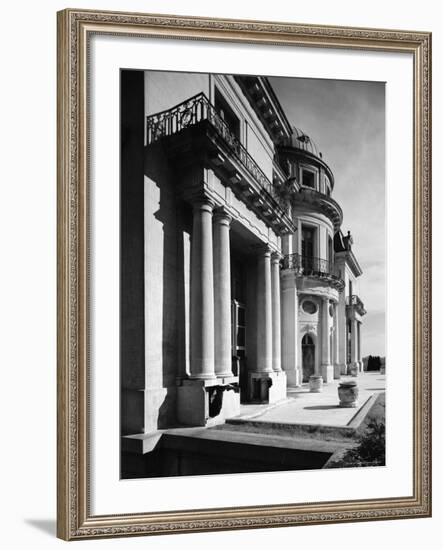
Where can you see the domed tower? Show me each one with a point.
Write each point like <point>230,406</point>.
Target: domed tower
<point>310,281</point>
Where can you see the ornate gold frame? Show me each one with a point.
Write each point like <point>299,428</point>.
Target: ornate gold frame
<point>74,518</point>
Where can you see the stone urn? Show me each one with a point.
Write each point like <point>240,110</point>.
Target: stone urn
<point>315,383</point>
<point>348,393</point>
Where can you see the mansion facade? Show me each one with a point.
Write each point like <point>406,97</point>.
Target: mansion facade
<point>237,281</point>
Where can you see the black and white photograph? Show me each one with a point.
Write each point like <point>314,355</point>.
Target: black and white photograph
<point>218,223</point>
<point>252,274</point>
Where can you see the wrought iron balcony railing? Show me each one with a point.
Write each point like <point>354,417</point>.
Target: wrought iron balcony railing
<point>311,266</point>
<point>195,110</point>
<point>355,301</point>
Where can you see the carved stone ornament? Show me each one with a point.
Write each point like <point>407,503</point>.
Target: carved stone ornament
<point>310,328</point>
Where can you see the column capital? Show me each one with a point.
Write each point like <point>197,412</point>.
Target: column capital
<point>262,249</point>
<point>222,216</point>
<point>203,203</point>
<point>276,257</point>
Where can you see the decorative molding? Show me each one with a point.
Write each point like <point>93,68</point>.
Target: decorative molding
<point>310,328</point>
<point>74,519</point>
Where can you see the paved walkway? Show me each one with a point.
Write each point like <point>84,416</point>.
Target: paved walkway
<point>305,408</point>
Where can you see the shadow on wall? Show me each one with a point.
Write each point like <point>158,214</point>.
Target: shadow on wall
<point>166,245</point>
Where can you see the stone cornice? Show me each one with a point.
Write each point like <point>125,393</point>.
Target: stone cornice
<point>322,203</point>
<point>351,261</point>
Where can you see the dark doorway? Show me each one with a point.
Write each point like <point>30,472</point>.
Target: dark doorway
<point>308,357</point>
<point>238,308</point>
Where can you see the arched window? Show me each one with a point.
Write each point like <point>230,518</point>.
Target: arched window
<point>307,340</point>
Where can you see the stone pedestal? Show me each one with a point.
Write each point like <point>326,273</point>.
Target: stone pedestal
<point>315,384</point>
<point>267,387</point>
<point>207,402</point>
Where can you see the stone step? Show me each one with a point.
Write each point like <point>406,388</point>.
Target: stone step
<point>250,451</point>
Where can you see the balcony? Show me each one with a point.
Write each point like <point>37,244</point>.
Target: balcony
<point>310,266</point>
<point>355,302</point>
<point>225,154</point>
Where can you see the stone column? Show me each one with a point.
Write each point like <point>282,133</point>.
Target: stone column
<point>276,314</point>
<point>327,370</point>
<point>202,294</point>
<point>264,312</point>
<point>354,344</point>
<point>286,244</point>
<point>337,365</point>
<point>289,328</point>
<point>222,294</point>
<point>360,362</point>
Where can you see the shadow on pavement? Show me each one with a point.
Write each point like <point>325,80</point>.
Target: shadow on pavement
<point>321,407</point>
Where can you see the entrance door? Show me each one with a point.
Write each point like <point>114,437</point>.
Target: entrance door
<point>308,357</point>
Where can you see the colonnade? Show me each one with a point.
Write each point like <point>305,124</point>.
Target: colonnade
<point>210,301</point>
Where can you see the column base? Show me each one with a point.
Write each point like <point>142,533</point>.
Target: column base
<point>202,377</point>
<point>267,387</point>
<point>224,375</point>
<point>294,378</point>
<point>207,402</point>
<point>327,372</point>
<point>343,369</point>
<point>337,371</point>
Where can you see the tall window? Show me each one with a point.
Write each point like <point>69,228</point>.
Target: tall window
<point>307,241</point>
<point>330,252</point>
<point>307,248</point>
<point>227,114</point>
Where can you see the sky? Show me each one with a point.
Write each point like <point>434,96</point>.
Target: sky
<point>346,119</point>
